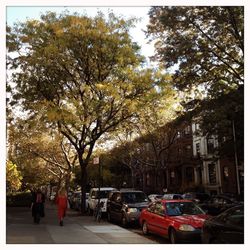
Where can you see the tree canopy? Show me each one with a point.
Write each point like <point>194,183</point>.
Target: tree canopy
<point>13,177</point>
<point>206,43</point>
<point>81,75</point>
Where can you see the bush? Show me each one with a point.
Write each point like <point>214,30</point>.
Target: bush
<point>22,199</point>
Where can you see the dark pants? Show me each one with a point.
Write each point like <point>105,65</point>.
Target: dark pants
<point>37,211</point>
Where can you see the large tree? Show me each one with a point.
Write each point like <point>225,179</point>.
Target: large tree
<point>207,44</point>
<point>81,74</point>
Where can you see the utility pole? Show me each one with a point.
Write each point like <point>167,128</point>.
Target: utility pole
<point>95,162</point>
<point>236,159</point>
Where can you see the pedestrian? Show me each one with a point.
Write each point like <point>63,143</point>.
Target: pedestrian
<point>37,205</point>
<point>61,201</point>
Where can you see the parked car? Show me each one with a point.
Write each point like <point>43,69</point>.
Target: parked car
<point>95,195</point>
<point>73,199</point>
<point>178,220</point>
<point>78,201</point>
<point>172,197</point>
<point>196,197</point>
<point>226,228</point>
<point>125,206</point>
<point>154,197</point>
<point>52,196</point>
<point>218,204</point>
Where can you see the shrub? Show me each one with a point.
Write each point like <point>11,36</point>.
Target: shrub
<point>21,199</point>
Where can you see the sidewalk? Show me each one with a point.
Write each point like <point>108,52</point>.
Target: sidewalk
<point>76,230</point>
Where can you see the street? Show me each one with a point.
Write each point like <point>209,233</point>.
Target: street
<point>77,229</point>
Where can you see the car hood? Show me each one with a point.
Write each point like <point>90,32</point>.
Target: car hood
<point>194,220</point>
<point>138,204</point>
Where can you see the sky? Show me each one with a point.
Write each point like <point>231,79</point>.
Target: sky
<point>22,13</point>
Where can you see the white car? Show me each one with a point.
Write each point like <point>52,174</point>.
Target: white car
<point>172,197</point>
<point>94,195</point>
<point>154,197</point>
<point>52,196</point>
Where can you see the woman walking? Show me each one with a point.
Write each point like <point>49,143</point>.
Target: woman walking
<point>37,205</point>
<point>61,202</point>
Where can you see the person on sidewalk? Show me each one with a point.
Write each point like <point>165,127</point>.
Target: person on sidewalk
<point>37,205</point>
<point>61,201</point>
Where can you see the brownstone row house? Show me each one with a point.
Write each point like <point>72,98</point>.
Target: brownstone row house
<point>190,163</point>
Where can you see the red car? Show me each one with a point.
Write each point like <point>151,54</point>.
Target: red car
<point>179,220</point>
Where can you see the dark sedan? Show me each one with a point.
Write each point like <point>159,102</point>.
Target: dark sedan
<point>218,204</point>
<point>226,228</point>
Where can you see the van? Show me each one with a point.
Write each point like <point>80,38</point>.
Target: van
<point>96,194</point>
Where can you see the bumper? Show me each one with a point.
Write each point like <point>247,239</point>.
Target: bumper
<point>133,217</point>
<point>194,236</point>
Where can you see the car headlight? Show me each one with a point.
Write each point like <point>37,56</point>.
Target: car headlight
<point>132,209</point>
<point>185,227</point>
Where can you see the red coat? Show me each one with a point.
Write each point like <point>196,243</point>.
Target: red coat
<point>61,202</point>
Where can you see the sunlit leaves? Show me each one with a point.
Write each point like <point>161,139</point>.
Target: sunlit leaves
<point>13,177</point>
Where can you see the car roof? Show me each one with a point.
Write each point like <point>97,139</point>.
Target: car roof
<point>127,191</point>
<point>131,191</point>
<point>174,201</point>
<point>172,194</point>
<point>104,189</point>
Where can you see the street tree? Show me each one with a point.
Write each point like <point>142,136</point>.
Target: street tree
<point>205,47</point>
<point>205,44</point>
<point>84,75</point>
<point>42,154</point>
<point>13,177</point>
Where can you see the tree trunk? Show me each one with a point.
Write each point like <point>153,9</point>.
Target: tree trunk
<point>83,166</point>
<point>67,180</point>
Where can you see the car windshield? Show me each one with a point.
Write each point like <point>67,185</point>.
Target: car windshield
<point>103,194</point>
<point>134,197</point>
<point>183,208</point>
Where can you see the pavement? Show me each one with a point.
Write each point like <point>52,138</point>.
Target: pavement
<point>77,229</point>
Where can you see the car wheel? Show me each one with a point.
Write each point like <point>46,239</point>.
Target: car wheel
<point>145,228</point>
<point>124,221</point>
<point>172,236</point>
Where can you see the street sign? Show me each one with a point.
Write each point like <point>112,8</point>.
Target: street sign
<point>96,160</point>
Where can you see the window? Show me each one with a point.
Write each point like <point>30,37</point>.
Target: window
<point>172,176</point>
<point>148,179</point>
<point>188,149</point>
<point>159,209</point>
<point>134,197</point>
<point>226,173</point>
<point>189,174</point>
<point>178,134</point>
<point>212,173</point>
<point>236,218</point>
<point>160,179</point>
<point>210,146</point>
<point>179,151</point>
<point>187,130</point>
<point>151,207</point>
<point>233,216</point>
<point>197,126</point>
<point>197,145</point>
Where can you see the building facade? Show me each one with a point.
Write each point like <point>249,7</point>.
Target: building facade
<point>193,164</point>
